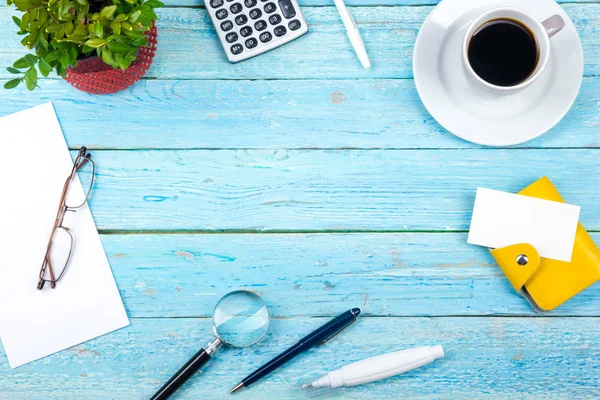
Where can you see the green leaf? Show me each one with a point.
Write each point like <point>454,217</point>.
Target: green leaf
<point>25,62</point>
<point>23,5</point>
<point>116,27</point>
<point>25,22</point>
<point>63,11</point>
<point>53,28</point>
<point>151,15</point>
<point>117,47</point>
<point>141,42</point>
<point>108,12</point>
<point>121,18</point>
<point>154,4</point>
<point>17,21</point>
<point>31,78</point>
<point>34,37</point>
<point>144,21</point>
<point>98,30</point>
<point>96,42</point>
<point>107,57</point>
<point>52,56</point>
<point>82,2</point>
<point>42,44</point>
<point>13,83</point>
<point>64,59</point>
<point>134,17</point>
<point>72,55</point>
<point>13,70</point>
<point>126,25</point>
<point>134,34</point>
<point>69,28</point>
<point>45,67</point>
<point>42,16</point>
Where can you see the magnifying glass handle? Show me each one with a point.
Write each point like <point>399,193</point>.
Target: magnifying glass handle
<point>189,369</point>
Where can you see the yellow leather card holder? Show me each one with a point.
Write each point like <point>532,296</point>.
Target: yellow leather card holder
<point>544,282</point>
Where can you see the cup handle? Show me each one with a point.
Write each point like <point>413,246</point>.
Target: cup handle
<point>553,25</point>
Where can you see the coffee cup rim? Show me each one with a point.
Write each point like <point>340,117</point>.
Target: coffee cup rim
<point>539,33</point>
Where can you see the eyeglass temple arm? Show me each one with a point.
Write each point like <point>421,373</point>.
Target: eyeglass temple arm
<point>51,271</point>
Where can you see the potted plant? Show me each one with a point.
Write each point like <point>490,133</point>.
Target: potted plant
<point>63,33</point>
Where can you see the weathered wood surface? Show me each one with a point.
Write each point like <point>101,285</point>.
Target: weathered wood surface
<point>325,114</point>
<point>486,358</point>
<point>408,274</point>
<point>304,142</point>
<point>189,49</point>
<point>299,190</point>
<point>354,3</point>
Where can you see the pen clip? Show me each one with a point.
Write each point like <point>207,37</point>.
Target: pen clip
<point>335,334</point>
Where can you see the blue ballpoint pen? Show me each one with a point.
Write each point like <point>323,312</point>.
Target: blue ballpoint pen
<point>317,337</point>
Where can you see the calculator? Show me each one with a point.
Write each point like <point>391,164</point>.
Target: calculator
<point>248,28</point>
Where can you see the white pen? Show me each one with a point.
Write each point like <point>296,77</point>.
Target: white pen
<point>353,34</point>
<point>374,369</point>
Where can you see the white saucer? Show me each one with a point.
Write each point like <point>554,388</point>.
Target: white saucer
<point>479,117</point>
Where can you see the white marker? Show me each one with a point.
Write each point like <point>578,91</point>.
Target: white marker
<point>374,369</point>
<point>353,34</point>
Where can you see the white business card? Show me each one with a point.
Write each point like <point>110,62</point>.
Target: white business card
<point>502,219</point>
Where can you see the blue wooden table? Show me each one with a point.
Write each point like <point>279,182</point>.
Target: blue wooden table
<point>323,187</point>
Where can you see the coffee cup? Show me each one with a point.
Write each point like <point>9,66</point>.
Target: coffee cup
<point>506,49</point>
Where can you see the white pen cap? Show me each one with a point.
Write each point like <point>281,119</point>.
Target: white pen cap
<point>373,369</point>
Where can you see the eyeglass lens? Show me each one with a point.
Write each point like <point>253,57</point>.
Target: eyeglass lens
<point>75,197</point>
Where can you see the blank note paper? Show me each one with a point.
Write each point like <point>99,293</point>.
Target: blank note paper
<point>502,219</point>
<point>34,164</point>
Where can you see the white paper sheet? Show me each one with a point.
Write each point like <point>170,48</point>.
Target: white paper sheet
<point>502,219</point>
<point>34,164</point>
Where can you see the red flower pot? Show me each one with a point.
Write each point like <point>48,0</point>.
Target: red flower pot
<point>92,75</point>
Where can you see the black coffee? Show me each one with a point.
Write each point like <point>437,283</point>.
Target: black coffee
<point>503,52</point>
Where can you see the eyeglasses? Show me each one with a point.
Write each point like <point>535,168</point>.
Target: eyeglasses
<point>60,244</point>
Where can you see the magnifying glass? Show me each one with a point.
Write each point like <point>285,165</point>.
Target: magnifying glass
<point>241,319</point>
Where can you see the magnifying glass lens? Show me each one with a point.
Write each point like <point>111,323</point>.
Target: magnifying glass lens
<point>241,319</point>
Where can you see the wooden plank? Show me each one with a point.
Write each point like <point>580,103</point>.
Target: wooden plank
<point>299,275</point>
<point>188,48</point>
<point>297,190</point>
<point>362,114</point>
<point>353,3</point>
<point>486,358</point>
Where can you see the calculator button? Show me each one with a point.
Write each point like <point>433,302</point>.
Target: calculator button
<point>255,14</point>
<point>232,37</point>
<point>236,8</point>
<point>270,7</point>
<point>250,3</point>
<point>222,13</point>
<point>251,43</point>
<point>265,37</point>
<point>274,19</point>
<point>216,3</point>
<point>246,31</point>
<point>236,48</point>
<point>241,19</point>
<point>260,25</point>
<point>280,31</point>
<point>293,25</point>
<point>287,9</point>
<point>226,25</point>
